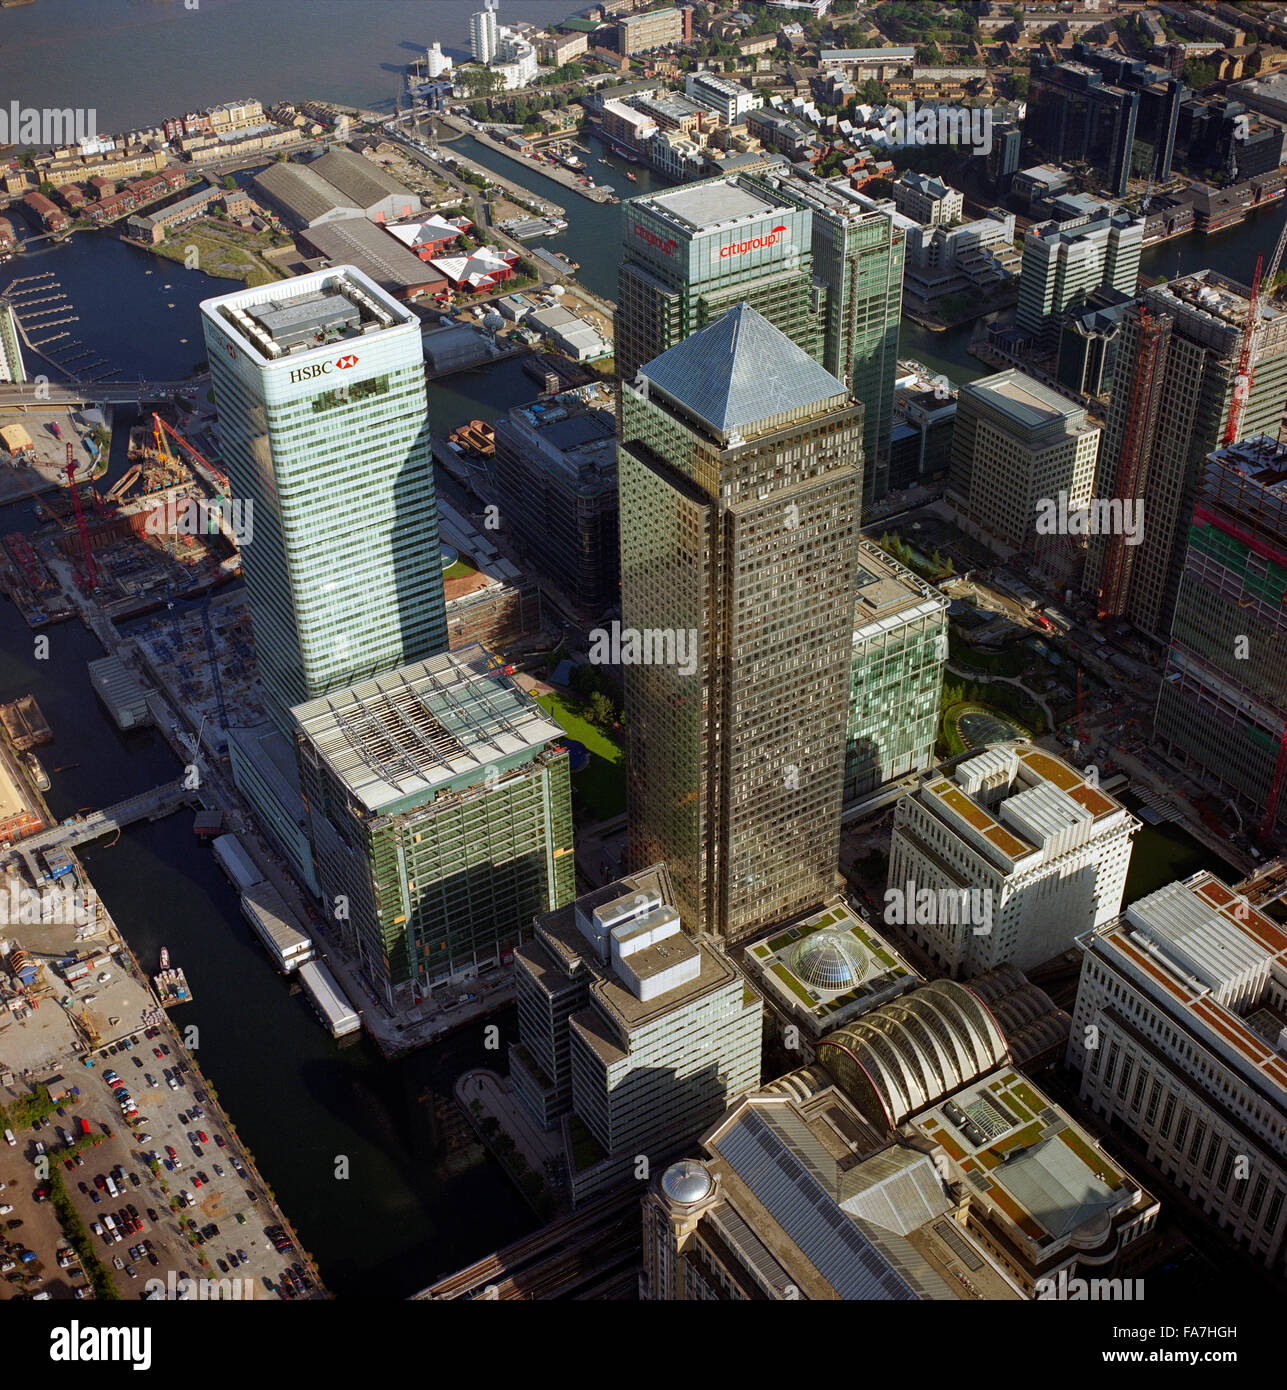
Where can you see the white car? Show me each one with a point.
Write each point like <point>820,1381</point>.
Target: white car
<point>5,1210</point>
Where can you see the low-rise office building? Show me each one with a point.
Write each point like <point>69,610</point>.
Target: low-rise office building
<point>1180,1035</point>
<point>1006,860</point>
<point>632,1035</point>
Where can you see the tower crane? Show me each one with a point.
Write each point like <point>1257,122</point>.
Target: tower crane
<point>1252,335</point>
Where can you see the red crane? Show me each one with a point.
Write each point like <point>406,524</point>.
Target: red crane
<point>200,458</point>
<point>90,573</point>
<point>1251,336</point>
<point>1246,366</point>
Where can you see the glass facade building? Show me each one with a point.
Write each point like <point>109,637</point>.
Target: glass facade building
<point>692,253</point>
<point>896,679</point>
<point>324,424</point>
<point>441,817</point>
<point>741,479</point>
<point>858,252</point>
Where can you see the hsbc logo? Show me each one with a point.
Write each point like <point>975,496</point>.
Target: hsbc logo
<point>666,245</point>
<point>739,248</point>
<point>323,368</point>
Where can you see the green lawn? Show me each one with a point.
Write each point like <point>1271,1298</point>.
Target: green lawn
<point>599,790</point>
<point>459,570</point>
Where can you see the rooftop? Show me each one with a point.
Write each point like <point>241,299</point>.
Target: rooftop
<point>397,740</point>
<point>1024,400</point>
<point>1026,1159</point>
<point>310,311</point>
<point>1016,800</point>
<point>889,594</point>
<point>354,240</point>
<point>831,966</point>
<point>1206,956</point>
<point>741,371</point>
<point>704,206</point>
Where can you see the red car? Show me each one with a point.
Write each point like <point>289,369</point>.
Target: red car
<point>156,1052</point>
<point>201,1134</point>
<point>219,1140</point>
<point>170,1149</point>
<point>196,1182</point>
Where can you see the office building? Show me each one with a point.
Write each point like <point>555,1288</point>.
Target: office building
<point>633,1036</point>
<point>1222,708</point>
<point>1180,1035</point>
<point>690,254</point>
<point>265,772</point>
<point>740,482</point>
<point>484,35</point>
<point>729,100</point>
<point>637,33</point>
<point>1177,365</point>
<point>555,469</point>
<point>1018,445</point>
<point>1019,854</point>
<point>1089,339</point>
<point>858,246</point>
<point>1219,136</point>
<point>1113,113</point>
<point>926,199</point>
<point>11,368</point>
<point>440,813</point>
<point>920,445</point>
<point>1064,263</point>
<point>324,426</point>
<point>977,255</point>
<point>896,679</point>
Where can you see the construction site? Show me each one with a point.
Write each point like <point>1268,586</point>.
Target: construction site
<point>156,535</point>
<point>1221,709</point>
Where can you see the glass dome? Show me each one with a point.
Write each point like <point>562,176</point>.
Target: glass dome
<point>686,1181</point>
<point>829,962</point>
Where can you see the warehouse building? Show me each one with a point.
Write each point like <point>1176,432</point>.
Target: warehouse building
<point>340,184</point>
<point>355,241</point>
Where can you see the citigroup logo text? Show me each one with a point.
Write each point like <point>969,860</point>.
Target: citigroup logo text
<point>666,245</point>
<point>739,248</point>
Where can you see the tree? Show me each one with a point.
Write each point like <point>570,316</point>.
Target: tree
<point>1019,85</point>
<point>229,182</point>
<point>600,710</point>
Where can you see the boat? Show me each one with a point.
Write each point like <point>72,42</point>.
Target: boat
<point>165,958</point>
<point>634,178</point>
<point>38,774</point>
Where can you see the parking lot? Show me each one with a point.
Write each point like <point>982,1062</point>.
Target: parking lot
<point>165,1194</point>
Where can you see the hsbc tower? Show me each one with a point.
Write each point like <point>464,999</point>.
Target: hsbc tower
<point>323,418</point>
<point>692,253</point>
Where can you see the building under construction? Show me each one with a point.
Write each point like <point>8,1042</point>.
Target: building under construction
<point>1178,361</point>
<point>1223,703</point>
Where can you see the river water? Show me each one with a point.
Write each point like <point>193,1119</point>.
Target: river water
<point>414,1203</point>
